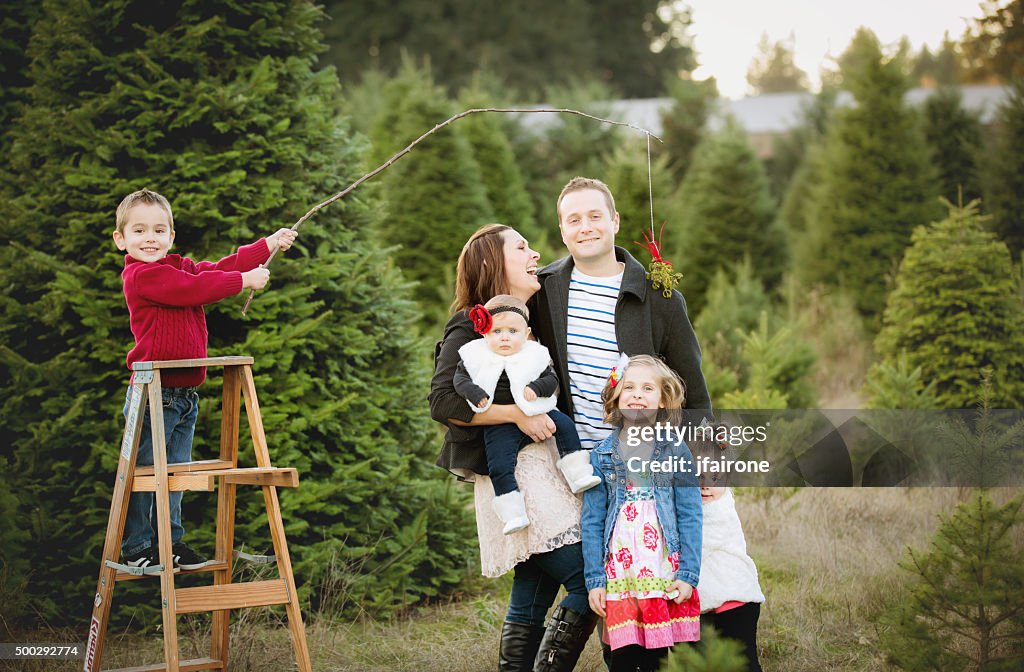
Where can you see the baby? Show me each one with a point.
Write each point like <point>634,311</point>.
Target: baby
<point>505,367</point>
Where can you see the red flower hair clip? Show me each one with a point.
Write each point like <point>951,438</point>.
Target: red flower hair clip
<point>660,271</point>
<point>481,318</point>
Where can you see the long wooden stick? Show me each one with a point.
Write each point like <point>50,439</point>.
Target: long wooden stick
<point>344,192</point>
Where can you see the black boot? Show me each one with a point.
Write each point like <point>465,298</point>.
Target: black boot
<point>564,640</point>
<point>518,647</point>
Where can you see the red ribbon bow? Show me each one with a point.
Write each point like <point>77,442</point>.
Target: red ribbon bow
<point>482,319</point>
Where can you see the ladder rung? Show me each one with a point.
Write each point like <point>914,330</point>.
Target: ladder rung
<point>198,482</point>
<point>186,467</point>
<point>282,477</point>
<point>230,596</point>
<point>184,666</point>
<point>191,363</point>
<point>212,567</point>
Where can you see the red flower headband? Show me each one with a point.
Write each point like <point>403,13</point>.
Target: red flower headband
<point>483,319</point>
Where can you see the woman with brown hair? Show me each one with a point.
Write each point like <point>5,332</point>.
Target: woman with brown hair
<point>548,553</point>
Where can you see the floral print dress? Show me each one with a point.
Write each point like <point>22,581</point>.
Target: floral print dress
<point>639,570</point>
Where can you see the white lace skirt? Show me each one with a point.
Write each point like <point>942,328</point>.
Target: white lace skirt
<point>553,510</point>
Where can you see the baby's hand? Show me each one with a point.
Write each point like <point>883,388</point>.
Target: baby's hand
<point>529,394</point>
<point>682,589</point>
<point>596,597</point>
<point>257,278</point>
<point>282,238</point>
<point>483,402</point>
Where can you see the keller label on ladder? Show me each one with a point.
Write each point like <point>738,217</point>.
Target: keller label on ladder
<point>90,649</point>
<point>133,415</point>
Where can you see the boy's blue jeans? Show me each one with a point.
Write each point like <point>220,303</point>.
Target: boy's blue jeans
<point>180,408</point>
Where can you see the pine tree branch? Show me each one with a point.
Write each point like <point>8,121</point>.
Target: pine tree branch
<point>344,192</point>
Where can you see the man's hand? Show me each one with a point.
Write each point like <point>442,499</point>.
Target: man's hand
<point>257,278</point>
<point>597,596</point>
<point>282,238</point>
<point>529,394</point>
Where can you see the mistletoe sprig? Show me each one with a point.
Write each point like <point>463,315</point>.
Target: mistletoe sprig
<point>660,271</point>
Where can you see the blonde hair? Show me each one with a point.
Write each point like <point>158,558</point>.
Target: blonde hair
<point>673,392</point>
<point>581,184</point>
<point>141,196</point>
<point>480,271</point>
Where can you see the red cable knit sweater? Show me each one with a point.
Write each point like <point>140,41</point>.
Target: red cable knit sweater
<point>165,305</point>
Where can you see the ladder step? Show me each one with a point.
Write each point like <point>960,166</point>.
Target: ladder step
<point>186,467</point>
<point>230,596</point>
<point>197,482</point>
<point>191,363</point>
<point>184,666</point>
<point>282,477</point>
<point>213,566</point>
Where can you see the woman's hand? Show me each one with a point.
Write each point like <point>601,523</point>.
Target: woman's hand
<point>537,427</point>
<point>597,600</point>
<point>684,589</point>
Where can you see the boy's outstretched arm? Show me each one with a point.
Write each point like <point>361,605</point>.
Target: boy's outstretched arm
<point>249,257</point>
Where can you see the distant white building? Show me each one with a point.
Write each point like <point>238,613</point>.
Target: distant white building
<point>770,115</point>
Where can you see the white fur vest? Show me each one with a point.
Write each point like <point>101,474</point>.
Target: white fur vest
<point>726,571</point>
<point>522,368</point>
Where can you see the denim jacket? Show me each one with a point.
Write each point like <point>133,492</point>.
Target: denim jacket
<point>677,501</point>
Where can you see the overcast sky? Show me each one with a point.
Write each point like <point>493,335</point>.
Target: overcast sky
<point>726,32</point>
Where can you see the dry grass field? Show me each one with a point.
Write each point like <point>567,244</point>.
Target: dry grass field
<point>828,565</point>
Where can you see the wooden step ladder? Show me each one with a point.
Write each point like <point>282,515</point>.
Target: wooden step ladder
<point>162,478</point>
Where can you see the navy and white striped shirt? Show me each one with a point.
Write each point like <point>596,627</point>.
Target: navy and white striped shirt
<point>592,350</point>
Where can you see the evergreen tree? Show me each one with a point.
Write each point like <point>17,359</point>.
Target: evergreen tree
<point>774,69</point>
<point>954,311</point>
<point>965,609</point>
<point>753,357</point>
<point>435,198</point>
<point>16,20</point>
<point>1005,172</point>
<point>713,653</point>
<point>878,183</point>
<point>994,46</point>
<point>954,135</point>
<point>894,385</point>
<point>683,124</point>
<point>499,170</point>
<point>627,178</point>
<point>727,213</point>
<point>789,149</point>
<point>530,44</point>
<point>943,68</point>
<point>216,105</point>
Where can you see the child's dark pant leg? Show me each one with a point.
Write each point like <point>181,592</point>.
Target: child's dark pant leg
<point>566,437</point>
<point>739,624</point>
<point>634,657</point>
<point>180,410</point>
<point>502,444</point>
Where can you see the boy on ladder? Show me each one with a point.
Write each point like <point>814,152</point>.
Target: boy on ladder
<point>165,294</point>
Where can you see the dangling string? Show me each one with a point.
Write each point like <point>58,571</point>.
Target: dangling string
<point>660,271</point>
<point>650,181</point>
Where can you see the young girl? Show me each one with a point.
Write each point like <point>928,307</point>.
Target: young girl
<point>730,595</point>
<point>642,528</point>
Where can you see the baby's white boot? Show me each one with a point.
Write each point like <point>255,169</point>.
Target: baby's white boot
<point>578,471</point>
<point>511,509</point>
